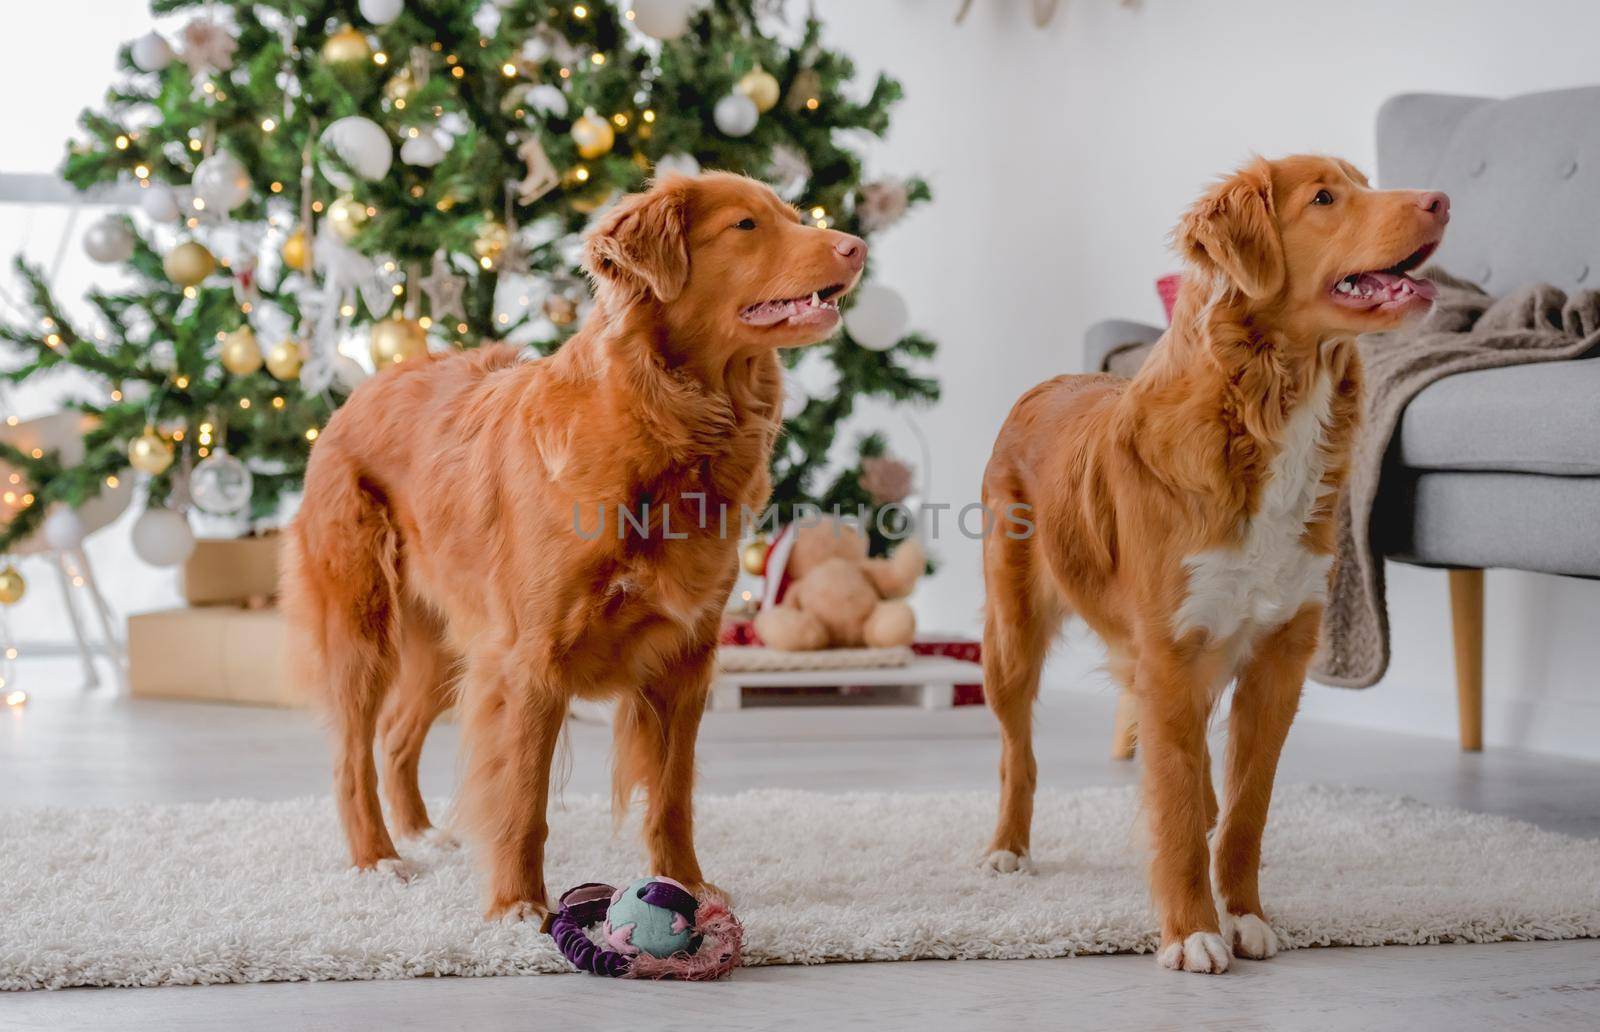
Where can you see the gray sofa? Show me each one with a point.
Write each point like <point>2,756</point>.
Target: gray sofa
<point>1501,467</point>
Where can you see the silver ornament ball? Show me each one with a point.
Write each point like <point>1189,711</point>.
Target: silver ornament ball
<point>109,240</point>
<point>220,484</point>
<point>222,181</point>
<point>736,115</point>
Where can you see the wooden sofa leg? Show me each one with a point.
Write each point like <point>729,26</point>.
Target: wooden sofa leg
<point>1466,613</point>
<point>1125,734</point>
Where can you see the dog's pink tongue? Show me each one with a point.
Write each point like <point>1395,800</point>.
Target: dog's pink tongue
<point>1393,286</point>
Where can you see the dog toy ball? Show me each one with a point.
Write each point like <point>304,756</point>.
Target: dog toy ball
<point>653,928</point>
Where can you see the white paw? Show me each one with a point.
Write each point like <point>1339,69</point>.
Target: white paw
<point>441,838</point>
<point>1004,861</point>
<point>1252,937</point>
<point>1203,952</point>
<point>521,911</point>
<point>394,867</point>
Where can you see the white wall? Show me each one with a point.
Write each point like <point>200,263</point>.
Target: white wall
<point>1061,157</point>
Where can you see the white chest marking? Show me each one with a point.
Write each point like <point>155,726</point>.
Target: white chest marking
<point>1263,580</point>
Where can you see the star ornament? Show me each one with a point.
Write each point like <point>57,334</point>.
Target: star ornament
<point>443,289</point>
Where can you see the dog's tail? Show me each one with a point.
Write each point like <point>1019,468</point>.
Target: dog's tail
<point>341,589</point>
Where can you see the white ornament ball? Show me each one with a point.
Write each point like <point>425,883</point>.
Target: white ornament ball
<point>362,145</point>
<point>222,181</point>
<point>677,164</point>
<point>64,530</point>
<point>109,240</point>
<point>150,52</point>
<point>548,100</point>
<point>795,398</point>
<point>422,150</point>
<point>162,537</point>
<point>348,374</point>
<point>160,202</point>
<point>380,12</point>
<point>663,19</point>
<point>220,484</point>
<point>736,115</point>
<point>163,356</point>
<point>878,318</point>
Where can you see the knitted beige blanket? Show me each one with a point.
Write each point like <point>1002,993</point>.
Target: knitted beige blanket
<point>1466,330</point>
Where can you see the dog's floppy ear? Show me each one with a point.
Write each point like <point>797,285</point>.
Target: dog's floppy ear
<point>642,245</point>
<point>1231,230</point>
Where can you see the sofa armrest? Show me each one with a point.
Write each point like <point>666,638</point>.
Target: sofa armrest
<point>1107,335</point>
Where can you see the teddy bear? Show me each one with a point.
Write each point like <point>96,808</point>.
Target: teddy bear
<point>839,598</point>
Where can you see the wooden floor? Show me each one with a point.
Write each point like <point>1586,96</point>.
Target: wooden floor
<point>65,750</point>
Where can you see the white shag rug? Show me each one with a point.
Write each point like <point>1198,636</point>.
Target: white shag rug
<point>245,891</point>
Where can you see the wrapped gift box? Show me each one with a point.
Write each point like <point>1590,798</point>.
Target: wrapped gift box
<point>213,653</point>
<point>237,570</point>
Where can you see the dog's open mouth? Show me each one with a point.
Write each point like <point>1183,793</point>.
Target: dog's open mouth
<point>1389,288</point>
<point>816,307</point>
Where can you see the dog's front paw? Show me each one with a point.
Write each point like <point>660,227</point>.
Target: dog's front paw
<point>516,911</point>
<point>1004,861</point>
<point>704,891</point>
<point>441,838</point>
<point>1205,953</point>
<point>1252,937</point>
<point>391,866</point>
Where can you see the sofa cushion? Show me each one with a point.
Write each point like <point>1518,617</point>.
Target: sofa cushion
<point>1516,521</point>
<point>1539,418</point>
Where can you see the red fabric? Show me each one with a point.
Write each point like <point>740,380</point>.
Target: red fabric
<point>955,648</point>
<point>1167,287</point>
<point>739,632</point>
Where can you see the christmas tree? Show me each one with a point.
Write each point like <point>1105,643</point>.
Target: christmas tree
<point>329,186</point>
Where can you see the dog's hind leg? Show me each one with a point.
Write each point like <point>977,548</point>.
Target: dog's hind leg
<point>423,688</point>
<point>340,593</point>
<point>1021,617</point>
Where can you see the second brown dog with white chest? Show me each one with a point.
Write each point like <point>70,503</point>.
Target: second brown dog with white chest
<point>1187,516</point>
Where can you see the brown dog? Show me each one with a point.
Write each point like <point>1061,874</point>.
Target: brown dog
<point>1186,515</point>
<point>452,516</point>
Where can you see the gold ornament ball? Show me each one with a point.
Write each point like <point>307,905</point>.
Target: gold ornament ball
<point>12,586</point>
<point>593,135</point>
<point>240,354</point>
<point>753,557</point>
<point>762,87</point>
<point>150,453</point>
<point>348,46</point>
<point>297,251</point>
<point>591,200</point>
<point>283,360</point>
<point>400,86</point>
<point>560,309</point>
<point>491,241</point>
<point>347,215</point>
<point>188,264</point>
<point>397,340</point>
